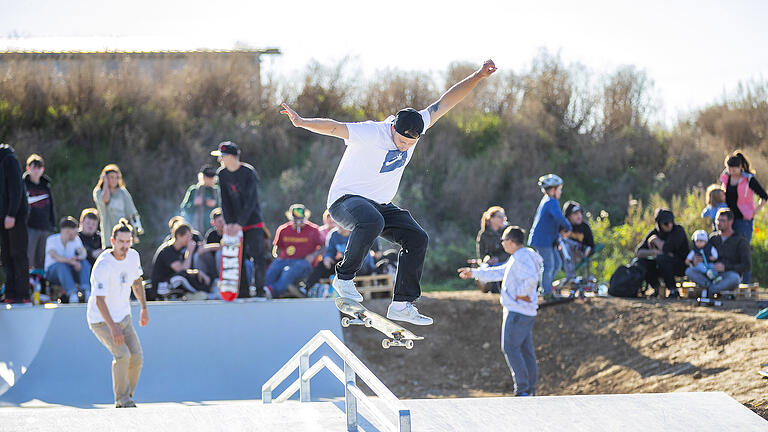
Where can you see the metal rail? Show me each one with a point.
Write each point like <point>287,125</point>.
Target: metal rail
<point>353,368</point>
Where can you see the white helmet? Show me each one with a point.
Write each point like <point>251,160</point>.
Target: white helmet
<point>548,181</point>
<point>700,235</point>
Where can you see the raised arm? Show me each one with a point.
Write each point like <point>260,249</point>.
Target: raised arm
<point>317,125</point>
<point>459,91</point>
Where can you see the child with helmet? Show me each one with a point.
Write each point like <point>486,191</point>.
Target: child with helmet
<point>548,225</point>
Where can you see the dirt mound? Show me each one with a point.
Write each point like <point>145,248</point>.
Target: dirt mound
<point>607,345</point>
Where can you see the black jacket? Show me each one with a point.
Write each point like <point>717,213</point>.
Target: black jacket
<point>13,195</point>
<point>489,244</point>
<point>41,213</point>
<point>675,242</point>
<point>733,252</point>
<point>240,195</point>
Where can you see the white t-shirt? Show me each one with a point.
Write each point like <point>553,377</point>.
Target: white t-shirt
<point>372,166</point>
<point>113,279</point>
<point>69,250</point>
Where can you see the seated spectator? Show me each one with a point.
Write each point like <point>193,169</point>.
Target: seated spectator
<point>334,253</point>
<point>297,243</point>
<point>42,218</point>
<point>703,248</point>
<point>200,199</point>
<point>172,271</point>
<point>579,242</point>
<point>65,260</point>
<point>715,201</point>
<point>89,234</point>
<point>216,232</point>
<point>488,242</point>
<point>208,257</point>
<point>732,262</point>
<point>328,225</point>
<point>662,252</point>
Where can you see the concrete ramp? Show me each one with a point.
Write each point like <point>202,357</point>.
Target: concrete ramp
<point>193,351</point>
<point>684,412</point>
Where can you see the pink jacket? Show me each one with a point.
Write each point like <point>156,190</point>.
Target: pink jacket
<point>746,198</point>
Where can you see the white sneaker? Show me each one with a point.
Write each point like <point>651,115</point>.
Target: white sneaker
<point>409,314</point>
<point>346,289</point>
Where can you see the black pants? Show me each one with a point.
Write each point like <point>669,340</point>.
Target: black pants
<point>253,249</point>
<point>13,253</point>
<point>665,267</point>
<point>367,220</point>
<point>319,272</point>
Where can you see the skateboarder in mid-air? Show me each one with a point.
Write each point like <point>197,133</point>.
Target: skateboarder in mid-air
<point>368,176</point>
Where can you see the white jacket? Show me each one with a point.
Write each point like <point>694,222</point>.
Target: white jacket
<point>520,277</point>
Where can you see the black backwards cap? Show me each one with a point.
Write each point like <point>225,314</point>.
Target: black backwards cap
<point>408,123</point>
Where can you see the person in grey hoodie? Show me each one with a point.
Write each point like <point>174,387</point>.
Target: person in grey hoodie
<point>520,277</point>
<point>14,211</point>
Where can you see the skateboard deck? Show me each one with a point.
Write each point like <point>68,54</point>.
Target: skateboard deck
<point>396,335</point>
<point>231,257</point>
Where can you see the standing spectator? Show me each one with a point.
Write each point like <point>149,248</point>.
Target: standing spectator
<point>201,198</point>
<point>548,225</point>
<point>42,219</point>
<point>520,276</point>
<point>297,243</point>
<point>115,275</point>
<point>733,257</point>
<point>89,234</point>
<point>172,268</point>
<point>14,210</point>
<point>488,244</point>
<point>65,260</point>
<point>114,202</point>
<point>715,201</point>
<point>663,252</point>
<point>741,186</point>
<point>239,186</point>
<point>579,241</point>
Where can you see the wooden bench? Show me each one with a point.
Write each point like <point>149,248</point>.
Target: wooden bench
<point>368,285</point>
<point>750,291</point>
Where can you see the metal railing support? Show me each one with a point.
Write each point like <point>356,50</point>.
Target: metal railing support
<point>353,368</point>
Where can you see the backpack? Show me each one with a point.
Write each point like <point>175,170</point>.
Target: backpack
<point>627,280</point>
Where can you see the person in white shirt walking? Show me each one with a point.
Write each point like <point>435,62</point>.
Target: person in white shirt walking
<point>520,277</point>
<point>366,181</point>
<point>115,273</point>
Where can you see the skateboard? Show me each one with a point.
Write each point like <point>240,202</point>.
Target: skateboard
<point>231,257</point>
<point>396,335</point>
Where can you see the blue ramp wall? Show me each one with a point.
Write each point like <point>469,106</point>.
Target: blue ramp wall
<point>193,351</point>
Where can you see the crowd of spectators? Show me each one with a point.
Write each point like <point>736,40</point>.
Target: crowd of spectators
<point>716,261</point>
<point>59,254</point>
<point>187,263</point>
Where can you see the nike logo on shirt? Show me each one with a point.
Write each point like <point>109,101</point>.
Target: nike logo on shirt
<point>393,160</point>
<point>36,198</point>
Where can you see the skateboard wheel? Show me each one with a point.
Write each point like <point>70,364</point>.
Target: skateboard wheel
<point>409,344</point>
<point>368,322</point>
<point>345,322</point>
<point>385,343</point>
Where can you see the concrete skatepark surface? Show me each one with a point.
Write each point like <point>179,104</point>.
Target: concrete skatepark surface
<point>193,351</point>
<point>645,412</point>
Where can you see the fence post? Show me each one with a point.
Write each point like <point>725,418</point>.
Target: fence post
<point>349,399</point>
<point>304,395</point>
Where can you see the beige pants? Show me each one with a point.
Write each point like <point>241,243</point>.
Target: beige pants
<point>128,358</point>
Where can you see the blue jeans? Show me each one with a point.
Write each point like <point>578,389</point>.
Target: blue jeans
<point>703,268</point>
<point>64,274</point>
<point>744,227</point>
<point>284,272</point>
<point>730,280</point>
<point>517,345</point>
<point>552,263</point>
<point>368,220</point>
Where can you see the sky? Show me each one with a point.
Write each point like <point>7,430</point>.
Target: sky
<point>695,52</point>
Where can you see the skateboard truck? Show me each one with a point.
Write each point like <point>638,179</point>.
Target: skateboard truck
<point>397,340</point>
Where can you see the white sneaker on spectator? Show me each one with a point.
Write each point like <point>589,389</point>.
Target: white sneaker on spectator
<point>346,289</point>
<point>408,314</point>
